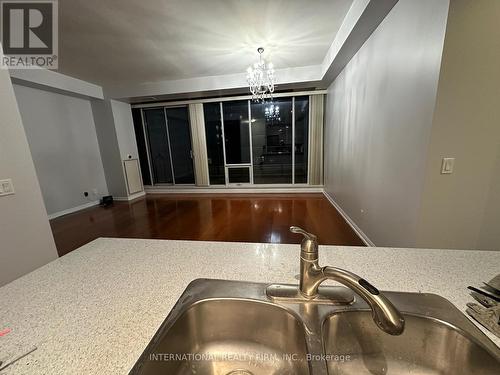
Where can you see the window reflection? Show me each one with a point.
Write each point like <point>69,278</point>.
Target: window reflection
<point>236,132</point>
<point>215,150</point>
<point>272,141</point>
<point>301,138</point>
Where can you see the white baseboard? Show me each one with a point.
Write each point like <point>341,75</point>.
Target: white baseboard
<point>352,224</point>
<point>73,209</point>
<point>239,190</point>
<point>131,197</point>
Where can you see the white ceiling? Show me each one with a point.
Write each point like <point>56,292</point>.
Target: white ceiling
<point>114,42</point>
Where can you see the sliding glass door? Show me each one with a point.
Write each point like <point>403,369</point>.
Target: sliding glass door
<point>247,142</point>
<point>258,143</point>
<point>169,145</point>
<point>180,145</point>
<point>159,151</point>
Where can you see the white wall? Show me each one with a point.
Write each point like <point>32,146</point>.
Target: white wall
<point>26,239</point>
<point>378,121</point>
<point>124,124</point>
<point>63,141</point>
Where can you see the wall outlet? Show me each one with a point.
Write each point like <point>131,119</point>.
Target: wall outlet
<point>447,165</point>
<point>6,187</point>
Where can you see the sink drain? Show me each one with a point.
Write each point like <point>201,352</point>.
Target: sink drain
<point>239,372</point>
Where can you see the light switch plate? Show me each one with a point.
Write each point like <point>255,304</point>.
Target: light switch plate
<point>6,187</point>
<point>447,165</point>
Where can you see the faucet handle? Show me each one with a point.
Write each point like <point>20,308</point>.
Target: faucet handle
<point>301,231</point>
<point>309,245</point>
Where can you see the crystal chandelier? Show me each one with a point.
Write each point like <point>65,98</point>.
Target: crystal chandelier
<point>260,78</point>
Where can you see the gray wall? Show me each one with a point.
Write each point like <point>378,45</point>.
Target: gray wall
<point>63,141</point>
<point>462,210</point>
<point>489,233</point>
<point>26,238</point>
<point>378,122</point>
<point>116,135</point>
<point>108,144</point>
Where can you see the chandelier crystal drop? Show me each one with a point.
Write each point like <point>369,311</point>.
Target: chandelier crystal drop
<point>260,78</point>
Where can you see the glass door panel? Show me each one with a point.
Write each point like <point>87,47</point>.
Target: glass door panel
<point>238,175</point>
<point>236,132</point>
<point>215,147</point>
<point>156,129</point>
<point>141,146</point>
<point>272,141</point>
<point>180,144</point>
<point>301,138</point>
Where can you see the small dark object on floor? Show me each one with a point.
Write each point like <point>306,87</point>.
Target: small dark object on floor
<point>107,201</point>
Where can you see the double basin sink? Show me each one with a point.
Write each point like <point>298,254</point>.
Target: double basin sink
<point>235,328</point>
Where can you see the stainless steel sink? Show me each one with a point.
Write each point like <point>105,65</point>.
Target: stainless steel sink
<point>427,347</point>
<point>234,328</point>
<point>250,336</point>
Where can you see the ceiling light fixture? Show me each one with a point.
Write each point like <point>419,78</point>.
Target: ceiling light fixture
<point>260,78</point>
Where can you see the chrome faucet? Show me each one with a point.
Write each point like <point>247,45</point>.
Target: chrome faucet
<point>385,315</point>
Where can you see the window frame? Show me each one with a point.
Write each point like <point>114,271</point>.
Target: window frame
<point>220,100</point>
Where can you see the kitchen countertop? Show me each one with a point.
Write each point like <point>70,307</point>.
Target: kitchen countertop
<point>94,310</point>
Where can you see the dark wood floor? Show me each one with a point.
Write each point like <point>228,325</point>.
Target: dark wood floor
<point>242,218</point>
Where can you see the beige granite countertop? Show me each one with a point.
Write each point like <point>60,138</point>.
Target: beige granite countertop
<point>94,310</point>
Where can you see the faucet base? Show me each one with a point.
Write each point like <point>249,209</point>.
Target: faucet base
<point>333,295</point>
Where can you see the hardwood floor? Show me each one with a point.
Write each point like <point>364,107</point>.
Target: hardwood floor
<point>230,217</point>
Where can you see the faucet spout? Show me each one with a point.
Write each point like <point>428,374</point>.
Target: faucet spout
<point>384,314</point>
